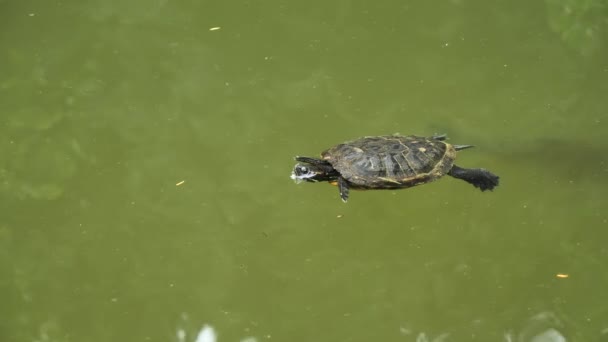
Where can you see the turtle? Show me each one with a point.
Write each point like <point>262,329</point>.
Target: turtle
<point>389,162</point>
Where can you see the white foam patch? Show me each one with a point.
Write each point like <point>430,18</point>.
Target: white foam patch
<point>294,177</point>
<point>181,335</point>
<point>207,334</point>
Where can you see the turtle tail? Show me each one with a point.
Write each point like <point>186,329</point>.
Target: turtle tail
<point>462,147</point>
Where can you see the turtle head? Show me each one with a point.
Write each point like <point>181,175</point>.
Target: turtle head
<point>308,173</point>
<point>313,170</point>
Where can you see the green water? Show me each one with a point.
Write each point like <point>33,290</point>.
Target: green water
<point>105,106</point>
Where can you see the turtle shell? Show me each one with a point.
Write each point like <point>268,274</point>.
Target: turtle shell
<point>391,161</point>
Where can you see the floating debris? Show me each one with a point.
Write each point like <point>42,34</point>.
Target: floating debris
<point>215,28</point>
<point>180,183</point>
<point>562,275</point>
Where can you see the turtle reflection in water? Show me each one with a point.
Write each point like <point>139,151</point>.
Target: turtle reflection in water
<point>389,162</point>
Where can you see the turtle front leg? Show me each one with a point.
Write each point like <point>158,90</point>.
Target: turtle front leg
<point>343,187</point>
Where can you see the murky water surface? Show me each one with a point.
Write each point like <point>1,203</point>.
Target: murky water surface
<point>146,147</point>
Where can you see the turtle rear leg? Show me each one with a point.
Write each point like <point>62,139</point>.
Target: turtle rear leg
<point>479,178</point>
<point>343,187</point>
